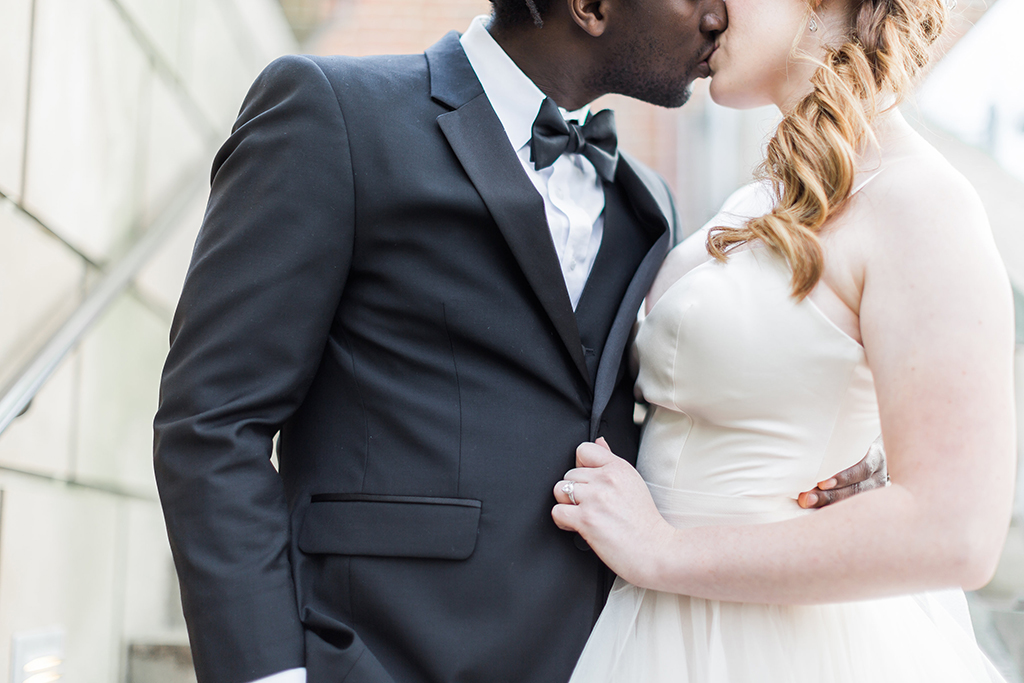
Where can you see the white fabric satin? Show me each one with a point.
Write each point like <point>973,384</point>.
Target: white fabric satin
<point>756,397</point>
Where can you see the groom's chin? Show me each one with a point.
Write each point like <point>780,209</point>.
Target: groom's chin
<point>681,97</point>
<point>658,93</point>
<point>669,97</point>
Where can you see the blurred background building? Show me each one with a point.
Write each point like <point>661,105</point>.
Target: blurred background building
<point>110,113</point>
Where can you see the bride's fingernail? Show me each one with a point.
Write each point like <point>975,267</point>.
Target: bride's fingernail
<point>811,499</point>
<point>826,485</point>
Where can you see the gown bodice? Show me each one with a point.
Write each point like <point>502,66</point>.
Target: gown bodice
<point>753,392</point>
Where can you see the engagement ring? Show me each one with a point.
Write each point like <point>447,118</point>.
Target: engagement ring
<point>568,488</point>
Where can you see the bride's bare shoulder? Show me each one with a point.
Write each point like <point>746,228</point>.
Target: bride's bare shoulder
<point>919,202</point>
<point>927,236</point>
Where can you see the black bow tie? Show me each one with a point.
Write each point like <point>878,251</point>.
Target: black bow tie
<point>595,140</point>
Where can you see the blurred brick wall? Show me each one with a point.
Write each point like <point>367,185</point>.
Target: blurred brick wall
<point>365,27</point>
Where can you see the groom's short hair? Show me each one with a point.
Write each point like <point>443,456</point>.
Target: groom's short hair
<point>515,13</point>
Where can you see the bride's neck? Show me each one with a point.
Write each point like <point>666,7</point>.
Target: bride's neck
<point>892,137</point>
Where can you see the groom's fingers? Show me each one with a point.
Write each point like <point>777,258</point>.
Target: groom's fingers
<point>816,498</point>
<point>869,473</point>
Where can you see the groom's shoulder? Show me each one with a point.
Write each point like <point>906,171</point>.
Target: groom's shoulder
<point>388,68</point>
<point>361,89</point>
<point>376,72</point>
<point>358,83</point>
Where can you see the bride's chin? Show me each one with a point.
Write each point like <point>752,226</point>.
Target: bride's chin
<point>719,95</point>
<point>730,98</point>
<point>711,90</point>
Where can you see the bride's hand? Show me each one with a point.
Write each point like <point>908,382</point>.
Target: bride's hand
<point>613,512</point>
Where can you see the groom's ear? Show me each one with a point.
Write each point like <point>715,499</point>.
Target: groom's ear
<point>591,15</point>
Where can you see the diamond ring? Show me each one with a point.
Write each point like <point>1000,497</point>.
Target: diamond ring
<point>568,489</point>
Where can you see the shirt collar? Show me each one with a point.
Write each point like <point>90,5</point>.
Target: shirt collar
<point>513,96</point>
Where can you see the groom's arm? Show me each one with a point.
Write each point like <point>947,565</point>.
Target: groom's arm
<point>249,332</point>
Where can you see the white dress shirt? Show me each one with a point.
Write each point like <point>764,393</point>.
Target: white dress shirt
<point>289,676</point>
<point>572,191</point>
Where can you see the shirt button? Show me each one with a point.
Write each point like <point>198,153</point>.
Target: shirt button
<point>572,265</point>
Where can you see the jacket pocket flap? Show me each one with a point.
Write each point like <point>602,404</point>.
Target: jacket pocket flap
<point>391,526</point>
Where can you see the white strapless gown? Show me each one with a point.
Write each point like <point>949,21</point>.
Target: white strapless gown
<point>755,397</point>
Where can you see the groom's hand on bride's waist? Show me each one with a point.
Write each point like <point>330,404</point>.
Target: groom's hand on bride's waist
<point>869,473</point>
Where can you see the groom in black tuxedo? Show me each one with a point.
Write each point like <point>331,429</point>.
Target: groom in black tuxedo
<point>426,289</point>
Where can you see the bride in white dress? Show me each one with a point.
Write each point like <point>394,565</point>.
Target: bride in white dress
<point>854,290</point>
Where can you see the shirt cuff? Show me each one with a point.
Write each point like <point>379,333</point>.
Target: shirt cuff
<point>289,676</point>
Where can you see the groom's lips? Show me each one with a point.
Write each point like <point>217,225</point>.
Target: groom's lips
<point>704,69</point>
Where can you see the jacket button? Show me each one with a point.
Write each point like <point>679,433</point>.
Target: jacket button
<point>580,543</point>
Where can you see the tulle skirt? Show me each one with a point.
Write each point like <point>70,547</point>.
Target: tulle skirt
<point>646,636</point>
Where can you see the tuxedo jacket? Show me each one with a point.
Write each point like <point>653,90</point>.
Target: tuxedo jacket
<point>375,281</point>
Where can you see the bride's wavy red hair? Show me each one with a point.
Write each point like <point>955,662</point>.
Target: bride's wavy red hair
<point>810,159</point>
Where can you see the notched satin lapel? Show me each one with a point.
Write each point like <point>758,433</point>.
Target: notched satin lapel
<point>658,217</point>
<point>452,79</point>
<point>654,214</point>
<point>478,140</point>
